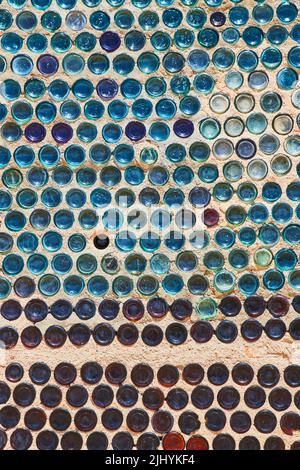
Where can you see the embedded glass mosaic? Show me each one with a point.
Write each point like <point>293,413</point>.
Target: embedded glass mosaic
<point>155,409</point>
<point>149,199</point>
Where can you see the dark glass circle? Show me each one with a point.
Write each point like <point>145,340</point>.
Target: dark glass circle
<point>296,303</point>
<point>292,375</point>
<point>77,396</point>
<point>101,242</point>
<point>202,397</point>
<point>3,439</point>
<point>137,420</point>
<point>251,330</point>
<point>35,419</point>
<point>278,306</point>
<point>61,309</point>
<point>181,309</point>
<point>4,392</point>
<point>294,329</point>
<point>36,310</point>
<point>107,89</point>
<point>104,334</point>
<point>217,373</point>
<point>71,440</point>
<point>51,396</point>
<point>255,397</point>
<point>135,130</point>
<point>268,376</point>
<point>275,329</point>
<point>226,331</point>
<point>14,372</point>
<point>9,337</point>
<point>201,331</point>
<point>39,373</point>
<point>162,421</point>
<point>223,442</point>
<point>157,307</point>
<point>110,41</point>
<point>112,418</point>
<point>127,395</point>
<point>290,423</point>
<point>142,375</point>
<point>242,373</point>
<point>254,305</point>
<point>9,417</point>
<point>21,439</point>
<point>228,398</point>
<point>168,375</point>
<point>102,395</point>
<point>215,419</point>
<point>133,309</point>
<point>24,286</point>
<point>280,399</point>
<point>188,422</point>
<point>122,441</point>
<point>24,394</point>
<point>177,398</point>
<point>274,443</point>
<point>176,333</point>
<point>31,337</point>
<point>97,441</point>
<point>65,373</point>
<point>230,306</point>
<point>295,445</point>
<point>47,440</point>
<point>11,310</point>
<point>249,443</point>
<point>265,421</point>
<point>91,372</point>
<point>85,309</point>
<point>85,419</point>
<point>147,441</point>
<point>109,309</point>
<point>297,399</point>
<point>60,419</point>
<point>153,398</point>
<point>127,334</point>
<point>218,18</point>
<point>152,335</point>
<point>79,334</point>
<point>240,422</point>
<point>115,373</point>
<point>246,149</point>
<point>55,336</point>
<point>193,374</point>
<point>197,443</point>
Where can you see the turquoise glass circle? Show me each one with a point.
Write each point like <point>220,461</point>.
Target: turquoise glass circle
<point>15,221</point>
<point>159,264</point>
<point>52,241</point>
<point>73,285</point>
<point>77,242</point>
<point>172,284</point>
<point>46,112</point>
<point>273,280</point>
<point>61,263</point>
<point>248,284</point>
<point>24,156</point>
<point>49,156</point>
<point>27,242</point>
<point>122,286</point>
<point>97,286</point>
<point>5,287</point>
<point>49,285</point>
